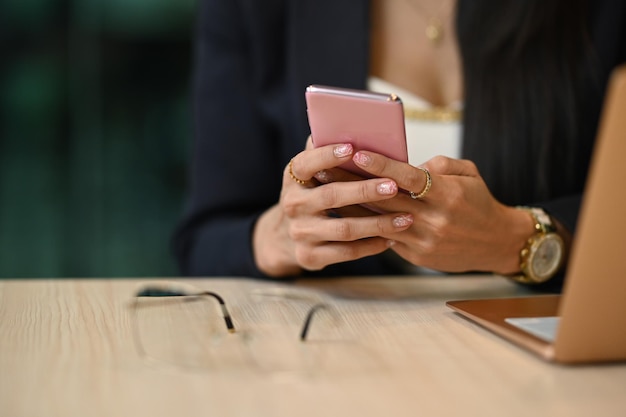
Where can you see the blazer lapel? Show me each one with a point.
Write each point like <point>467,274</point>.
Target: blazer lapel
<point>329,42</point>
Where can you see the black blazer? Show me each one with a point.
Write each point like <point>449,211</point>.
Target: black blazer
<point>254,60</point>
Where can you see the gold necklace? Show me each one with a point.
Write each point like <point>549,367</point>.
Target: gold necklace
<point>434,25</point>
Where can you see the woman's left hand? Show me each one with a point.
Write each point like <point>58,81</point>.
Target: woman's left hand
<point>458,225</point>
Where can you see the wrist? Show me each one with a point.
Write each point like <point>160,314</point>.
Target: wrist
<point>271,246</point>
<point>517,227</point>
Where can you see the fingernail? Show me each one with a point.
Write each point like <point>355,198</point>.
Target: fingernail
<point>390,243</point>
<point>403,220</point>
<point>362,159</point>
<point>323,176</point>
<point>342,150</point>
<point>387,188</point>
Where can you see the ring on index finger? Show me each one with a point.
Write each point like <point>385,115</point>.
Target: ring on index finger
<point>293,176</point>
<point>429,183</point>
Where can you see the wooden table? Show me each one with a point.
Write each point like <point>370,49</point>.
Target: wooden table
<point>385,346</point>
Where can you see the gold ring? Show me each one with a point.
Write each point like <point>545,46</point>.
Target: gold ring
<point>293,177</point>
<point>429,182</point>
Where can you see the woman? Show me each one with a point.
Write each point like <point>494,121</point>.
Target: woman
<point>529,76</point>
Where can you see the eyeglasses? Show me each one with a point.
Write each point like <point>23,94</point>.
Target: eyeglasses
<point>179,325</point>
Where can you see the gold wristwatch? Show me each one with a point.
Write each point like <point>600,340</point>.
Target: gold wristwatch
<point>544,252</point>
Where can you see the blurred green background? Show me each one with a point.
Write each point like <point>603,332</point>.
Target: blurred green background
<point>94,135</point>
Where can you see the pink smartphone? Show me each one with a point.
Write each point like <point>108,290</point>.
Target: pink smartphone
<point>367,120</point>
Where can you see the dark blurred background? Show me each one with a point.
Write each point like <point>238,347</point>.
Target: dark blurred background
<point>94,135</point>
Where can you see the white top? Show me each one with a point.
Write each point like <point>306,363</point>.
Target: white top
<point>425,138</point>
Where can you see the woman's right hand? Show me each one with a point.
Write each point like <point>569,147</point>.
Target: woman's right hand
<point>298,233</point>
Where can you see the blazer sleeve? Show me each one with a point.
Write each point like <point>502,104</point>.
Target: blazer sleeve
<point>230,141</point>
<point>608,36</point>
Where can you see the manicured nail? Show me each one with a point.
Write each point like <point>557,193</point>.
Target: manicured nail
<point>387,188</point>
<point>342,150</point>
<point>361,159</point>
<point>403,220</point>
<point>323,176</point>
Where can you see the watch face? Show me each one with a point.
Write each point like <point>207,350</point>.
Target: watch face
<point>547,257</point>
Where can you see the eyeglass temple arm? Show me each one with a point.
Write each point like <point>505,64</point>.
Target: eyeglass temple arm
<point>166,292</point>
<point>309,319</point>
<point>229,322</point>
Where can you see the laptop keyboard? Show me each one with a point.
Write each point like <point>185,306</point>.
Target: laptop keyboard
<point>542,327</point>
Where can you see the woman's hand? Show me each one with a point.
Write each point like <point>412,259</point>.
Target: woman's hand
<point>298,233</point>
<point>458,225</point>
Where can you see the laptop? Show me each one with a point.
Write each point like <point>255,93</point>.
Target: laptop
<point>587,321</point>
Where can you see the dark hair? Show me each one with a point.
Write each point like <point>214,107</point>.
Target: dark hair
<point>523,65</point>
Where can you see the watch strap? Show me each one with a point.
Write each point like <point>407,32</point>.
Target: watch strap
<point>543,221</point>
